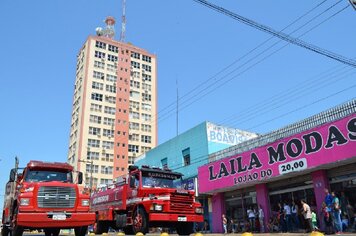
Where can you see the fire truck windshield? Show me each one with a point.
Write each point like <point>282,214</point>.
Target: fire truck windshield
<point>160,180</point>
<point>47,176</point>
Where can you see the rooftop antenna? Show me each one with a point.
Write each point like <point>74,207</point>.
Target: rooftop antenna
<point>123,21</point>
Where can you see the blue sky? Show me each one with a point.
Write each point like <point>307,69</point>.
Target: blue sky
<point>40,40</point>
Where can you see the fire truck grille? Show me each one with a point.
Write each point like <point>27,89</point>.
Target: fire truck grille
<point>56,197</point>
<point>181,203</point>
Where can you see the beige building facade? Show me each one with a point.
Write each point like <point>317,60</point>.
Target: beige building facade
<point>114,115</point>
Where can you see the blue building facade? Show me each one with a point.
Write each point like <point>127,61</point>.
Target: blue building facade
<point>190,150</point>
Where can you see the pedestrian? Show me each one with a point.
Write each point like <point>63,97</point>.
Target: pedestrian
<point>261,217</point>
<point>224,222</point>
<point>328,199</point>
<point>336,213</point>
<point>288,216</point>
<point>307,215</point>
<point>295,219</point>
<point>281,218</point>
<point>314,221</point>
<point>327,219</point>
<point>251,217</point>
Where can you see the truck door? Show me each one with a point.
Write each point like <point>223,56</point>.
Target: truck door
<point>134,184</point>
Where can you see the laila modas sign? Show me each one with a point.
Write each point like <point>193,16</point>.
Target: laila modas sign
<point>326,144</point>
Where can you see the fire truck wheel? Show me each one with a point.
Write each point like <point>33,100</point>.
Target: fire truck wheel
<point>185,228</point>
<point>5,231</point>
<point>81,231</point>
<point>16,229</point>
<point>101,227</point>
<point>52,232</point>
<point>140,221</point>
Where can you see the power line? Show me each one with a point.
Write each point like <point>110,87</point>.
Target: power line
<point>280,35</point>
<point>251,66</point>
<point>239,59</point>
<point>165,116</point>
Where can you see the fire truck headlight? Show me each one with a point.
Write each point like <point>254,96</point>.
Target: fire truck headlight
<point>85,202</point>
<point>24,202</point>
<point>199,210</point>
<point>157,207</point>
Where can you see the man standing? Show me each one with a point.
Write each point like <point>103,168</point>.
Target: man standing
<point>288,216</point>
<point>295,216</point>
<point>336,213</point>
<point>224,222</point>
<point>307,215</point>
<point>261,217</point>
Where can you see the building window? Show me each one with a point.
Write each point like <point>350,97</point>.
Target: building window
<point>105,181</point>
<point>146,107</point>
<point>99,54</point>
<point>146,67</point>
<point>92,155</point>
<point>134,126</point>
<point>135,64</point>
<point>134,84</point>
<point>135,55</point>
<point>95,107</point>
<point>96,85</point>
<point>108,157</point>
<point>146,117</point>
<point>112,58</point>
<point>134,115</point>
<point>94,131</point>
<point>109,110</point>
<point>97,97</point>
<point>146,87</point>
<point>112,68</point>
<point>110,99</point>
<point>146,128</point>
<point>113,48</point>
<point>146,97</point>
<point>130,160</point>
<point>164,162</point>
<point>98,75</point>
<point>99,44</point>
<point>99,64</point>
<point>95,119</point>
<point>111,88</point>
<point>108,145</point>
<point>146,58</point>
<point>93,143</point>
<point>146,77</point>
<point>89,170</point>
<point>133,148</point>
<point>111,78</point>
<point>186,156</point>
<point>145,149</point>
<point>134,94</point>
<point>145,139</point>
<point>109,121</point>
<point>134,137</point>
<point>108,133</point>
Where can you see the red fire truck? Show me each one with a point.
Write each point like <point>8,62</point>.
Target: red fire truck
<point>146,197</point>
<point>44,196</point>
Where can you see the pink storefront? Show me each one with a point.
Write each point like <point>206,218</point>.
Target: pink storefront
<point>284,166</point>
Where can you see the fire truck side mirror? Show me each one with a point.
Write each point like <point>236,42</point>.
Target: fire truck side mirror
<point>80,177</point>
<point>12,175</point>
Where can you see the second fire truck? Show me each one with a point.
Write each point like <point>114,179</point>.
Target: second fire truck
<point>146,197</point>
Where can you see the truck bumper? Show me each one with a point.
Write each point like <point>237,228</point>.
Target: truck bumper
<point>47,220</point>
<point>175,217</point>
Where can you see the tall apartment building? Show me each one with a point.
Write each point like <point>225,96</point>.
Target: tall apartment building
<point>114,107</point>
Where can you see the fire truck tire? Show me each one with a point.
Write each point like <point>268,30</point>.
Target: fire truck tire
<point>52,232</point>
<point>101,227</point>
<point>5,231</point>
<point>81,231</point>
<point>140,221</point>
<point>185,228</point>
<point>16,229</point>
